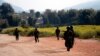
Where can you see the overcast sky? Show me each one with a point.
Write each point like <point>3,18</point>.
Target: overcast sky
<point>41,5</point>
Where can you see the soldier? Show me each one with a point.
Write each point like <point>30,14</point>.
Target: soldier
<point>16,33</point>
<point>69,36</point>
<point>36,35</point>
<point>57,31</point>
<point>73,34</point>
<point>0,29</point>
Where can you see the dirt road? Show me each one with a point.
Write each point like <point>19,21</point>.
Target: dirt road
<point>47,46</point>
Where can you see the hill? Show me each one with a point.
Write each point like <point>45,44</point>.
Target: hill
<point>93,4</point>
<point>16,8</point>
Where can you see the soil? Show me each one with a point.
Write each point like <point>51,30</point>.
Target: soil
<point>48,46</point>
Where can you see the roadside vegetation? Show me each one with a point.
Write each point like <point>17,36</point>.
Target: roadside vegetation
<point>81,31</point>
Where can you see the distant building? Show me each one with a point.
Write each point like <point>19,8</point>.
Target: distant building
<point>39,21</point>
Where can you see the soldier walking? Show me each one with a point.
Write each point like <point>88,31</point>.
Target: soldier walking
<point>16,33</point>
<point>57,31</point>
<point>36,35</point>
<point>69,38</point>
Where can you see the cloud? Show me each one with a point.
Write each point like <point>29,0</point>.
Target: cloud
<point>41,5</point>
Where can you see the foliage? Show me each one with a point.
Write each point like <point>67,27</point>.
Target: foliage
<point>6,12</point>
<point>81,31</point>
<point>50,17</point>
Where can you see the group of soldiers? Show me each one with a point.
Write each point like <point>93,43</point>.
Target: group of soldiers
<point>68,36</point>
<point>35,33</point>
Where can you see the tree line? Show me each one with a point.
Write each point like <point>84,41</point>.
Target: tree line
<point>9,18</point>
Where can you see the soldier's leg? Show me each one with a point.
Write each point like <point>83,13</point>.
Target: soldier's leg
<point>16,37</point>
<point>68,49</point>
<point>35,39</point>
<point>57,36</point>
<point>72,42</point>
<point>69,45</point>
<point>38,39</point>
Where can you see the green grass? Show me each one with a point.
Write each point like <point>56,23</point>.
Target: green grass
<point>81,31</point>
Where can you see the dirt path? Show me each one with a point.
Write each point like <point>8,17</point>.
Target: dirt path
<point>48,46</point>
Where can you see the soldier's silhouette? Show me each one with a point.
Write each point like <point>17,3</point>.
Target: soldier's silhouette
<point>16,33</point>
<point>69,38</point>
<point>0,29</point>
<point>36,35</point>
<point>57,31</point>
<point>73,34</point>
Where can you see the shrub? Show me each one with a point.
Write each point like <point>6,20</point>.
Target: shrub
<point>23,31</point>
<point>77,34</point>
<point>86,34</point>
<point>45,34</point>
<point>98,30</point>
<point>84,31</point>
<point>8,31</point>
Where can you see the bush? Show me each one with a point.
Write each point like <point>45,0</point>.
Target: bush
<point>86,34</point>
<point>8,31</point>
<point>77,34</point>
<point>46,34</point>
<point>23,31</point>
<point>98,30</point>
<point>84,31</point>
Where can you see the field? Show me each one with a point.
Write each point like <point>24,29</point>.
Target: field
<point>81,31</point>
<point>48,46</point>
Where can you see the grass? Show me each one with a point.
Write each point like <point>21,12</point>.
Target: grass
<point>81,31</point>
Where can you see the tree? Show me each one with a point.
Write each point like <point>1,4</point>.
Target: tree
<point>51,17</point>
<point>37,14</point>
<point>3,23</point>
<point>30,21</point>
<point>46,18</point>
<point>6,10</point>
<point>97,17</point>
<point>23,23</point>
<point>84,16</point>
<point>32,14</point>
<point>72,17</point>
<point>62,17</point>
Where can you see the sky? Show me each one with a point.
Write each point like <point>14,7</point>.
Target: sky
<point>41,5</point>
